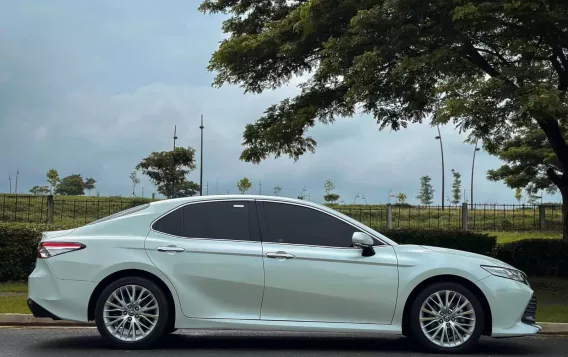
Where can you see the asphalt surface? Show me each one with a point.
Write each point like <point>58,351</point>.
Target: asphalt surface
<point>86,342</point>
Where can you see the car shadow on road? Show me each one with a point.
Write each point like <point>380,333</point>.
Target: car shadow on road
<point>294,342</point>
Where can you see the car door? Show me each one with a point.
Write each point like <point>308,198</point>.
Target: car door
<point>211,253</point>
<point>312,272</point>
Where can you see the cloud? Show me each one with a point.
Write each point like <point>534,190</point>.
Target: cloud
<point>93,87</point>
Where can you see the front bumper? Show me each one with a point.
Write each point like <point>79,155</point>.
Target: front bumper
<point>513,307</point>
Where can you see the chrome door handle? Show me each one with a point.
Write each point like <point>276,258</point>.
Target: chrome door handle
<point>280,255</point>
<point>170,249</point>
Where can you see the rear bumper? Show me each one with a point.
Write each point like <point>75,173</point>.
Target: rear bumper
<point>39,311</point>
<point>59,299</point>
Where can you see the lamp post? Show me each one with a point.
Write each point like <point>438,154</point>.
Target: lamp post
<point>475,150</point>
<point>201,164</point>
<point>439,137</point>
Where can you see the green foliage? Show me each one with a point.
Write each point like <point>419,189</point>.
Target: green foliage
<point>39,190</point>
<point>468,241</point>
<point>492,67</point>
<point>71,185</point>
<point>456,188</point>
<point>426,195</point>
<point>243,185</point>
<point>53,179</point>
<point>277,190</point>
<point>329,196</point>
<point>135,181</point>
<point>518,194</point>
<point>538,257</point>
<point>526,155</point>
<point>18,248</point>
<point>401,198</point>
<point>90,184</point>
<point>168,169</point>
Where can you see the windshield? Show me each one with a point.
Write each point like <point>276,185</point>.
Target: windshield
<point>122,213</point>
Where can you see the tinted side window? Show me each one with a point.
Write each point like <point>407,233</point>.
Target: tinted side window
<point>293,224</point>
<point>172,223</point>
<point>217,220</point>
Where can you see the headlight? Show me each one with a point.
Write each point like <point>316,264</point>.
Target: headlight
<point>512,274</point>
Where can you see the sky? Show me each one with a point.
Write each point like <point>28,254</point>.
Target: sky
<point>93,87</point>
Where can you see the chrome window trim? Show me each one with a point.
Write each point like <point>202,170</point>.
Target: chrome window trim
<point>329,214</point>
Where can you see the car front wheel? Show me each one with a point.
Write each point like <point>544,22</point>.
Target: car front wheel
<point>132,313</point>
<point>447,318</point>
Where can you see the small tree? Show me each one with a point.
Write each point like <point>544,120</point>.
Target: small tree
<point>53,179</point>
<point>34,190</point>
<point>72,185</point>
<point>243,185</point>
<point>456,188</point>
<point>167,170</point>
<point>426,195</point>
<point>401,198</point>
<point>329,196</point>
<point>277,190</point>
<point>90,184</point>
<point>135,181</point>
<point>518,194</point>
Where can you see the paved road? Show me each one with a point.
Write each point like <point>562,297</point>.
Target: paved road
<point>87,343</point>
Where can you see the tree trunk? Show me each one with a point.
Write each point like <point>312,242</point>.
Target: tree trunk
<point>564,192</point>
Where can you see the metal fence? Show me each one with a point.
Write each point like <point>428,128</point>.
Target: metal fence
<point>481,217</point>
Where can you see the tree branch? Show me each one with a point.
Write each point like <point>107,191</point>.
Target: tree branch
<point>553,176</point>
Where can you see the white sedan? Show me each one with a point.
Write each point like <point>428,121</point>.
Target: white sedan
<point>270,263</point>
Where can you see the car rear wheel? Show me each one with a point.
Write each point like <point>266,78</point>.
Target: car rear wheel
<point>132,313</point>
<point>447,318</point>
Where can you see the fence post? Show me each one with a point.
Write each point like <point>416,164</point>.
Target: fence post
<point>50,209</point>
<point>389,216</point>
<point>542,217</point>
<point>464,217</point>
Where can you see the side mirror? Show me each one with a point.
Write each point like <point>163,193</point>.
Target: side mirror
<point>365,242</point>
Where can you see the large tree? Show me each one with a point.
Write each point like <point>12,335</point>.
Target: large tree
<point>490,67</point>
<point>168,169</point>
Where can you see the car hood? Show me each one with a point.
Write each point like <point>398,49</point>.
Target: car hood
<point>461,253</point>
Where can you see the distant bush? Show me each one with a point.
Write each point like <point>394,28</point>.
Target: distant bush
<point>536,257</point>
<point>469,241</point>
<point>18,248</point>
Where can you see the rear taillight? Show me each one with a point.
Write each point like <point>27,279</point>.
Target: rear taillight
<point>50,249</point>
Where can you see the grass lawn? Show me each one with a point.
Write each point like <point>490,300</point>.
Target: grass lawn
<point>552,295</point>
<point>507,237</point>
<point>14,305</point>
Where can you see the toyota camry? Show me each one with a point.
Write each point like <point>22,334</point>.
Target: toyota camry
<point>270,263</point>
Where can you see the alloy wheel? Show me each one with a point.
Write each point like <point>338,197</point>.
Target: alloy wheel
<point>447,318</point>
<point>131,313</point>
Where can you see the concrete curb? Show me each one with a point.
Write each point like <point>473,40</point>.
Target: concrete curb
<point>548,328</point>
<point>30,320</point>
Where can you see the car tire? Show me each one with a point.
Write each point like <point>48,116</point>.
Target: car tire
<point>450,329</point>
<point>130,305</point>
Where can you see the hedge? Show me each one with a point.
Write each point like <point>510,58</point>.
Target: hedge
<point>473,242</point>
<point>536,257</point>
<point>18,248</point>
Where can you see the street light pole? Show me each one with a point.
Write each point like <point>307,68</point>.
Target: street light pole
<point>201,164</point>
<point>476,149</point>
<point>439,137</point>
